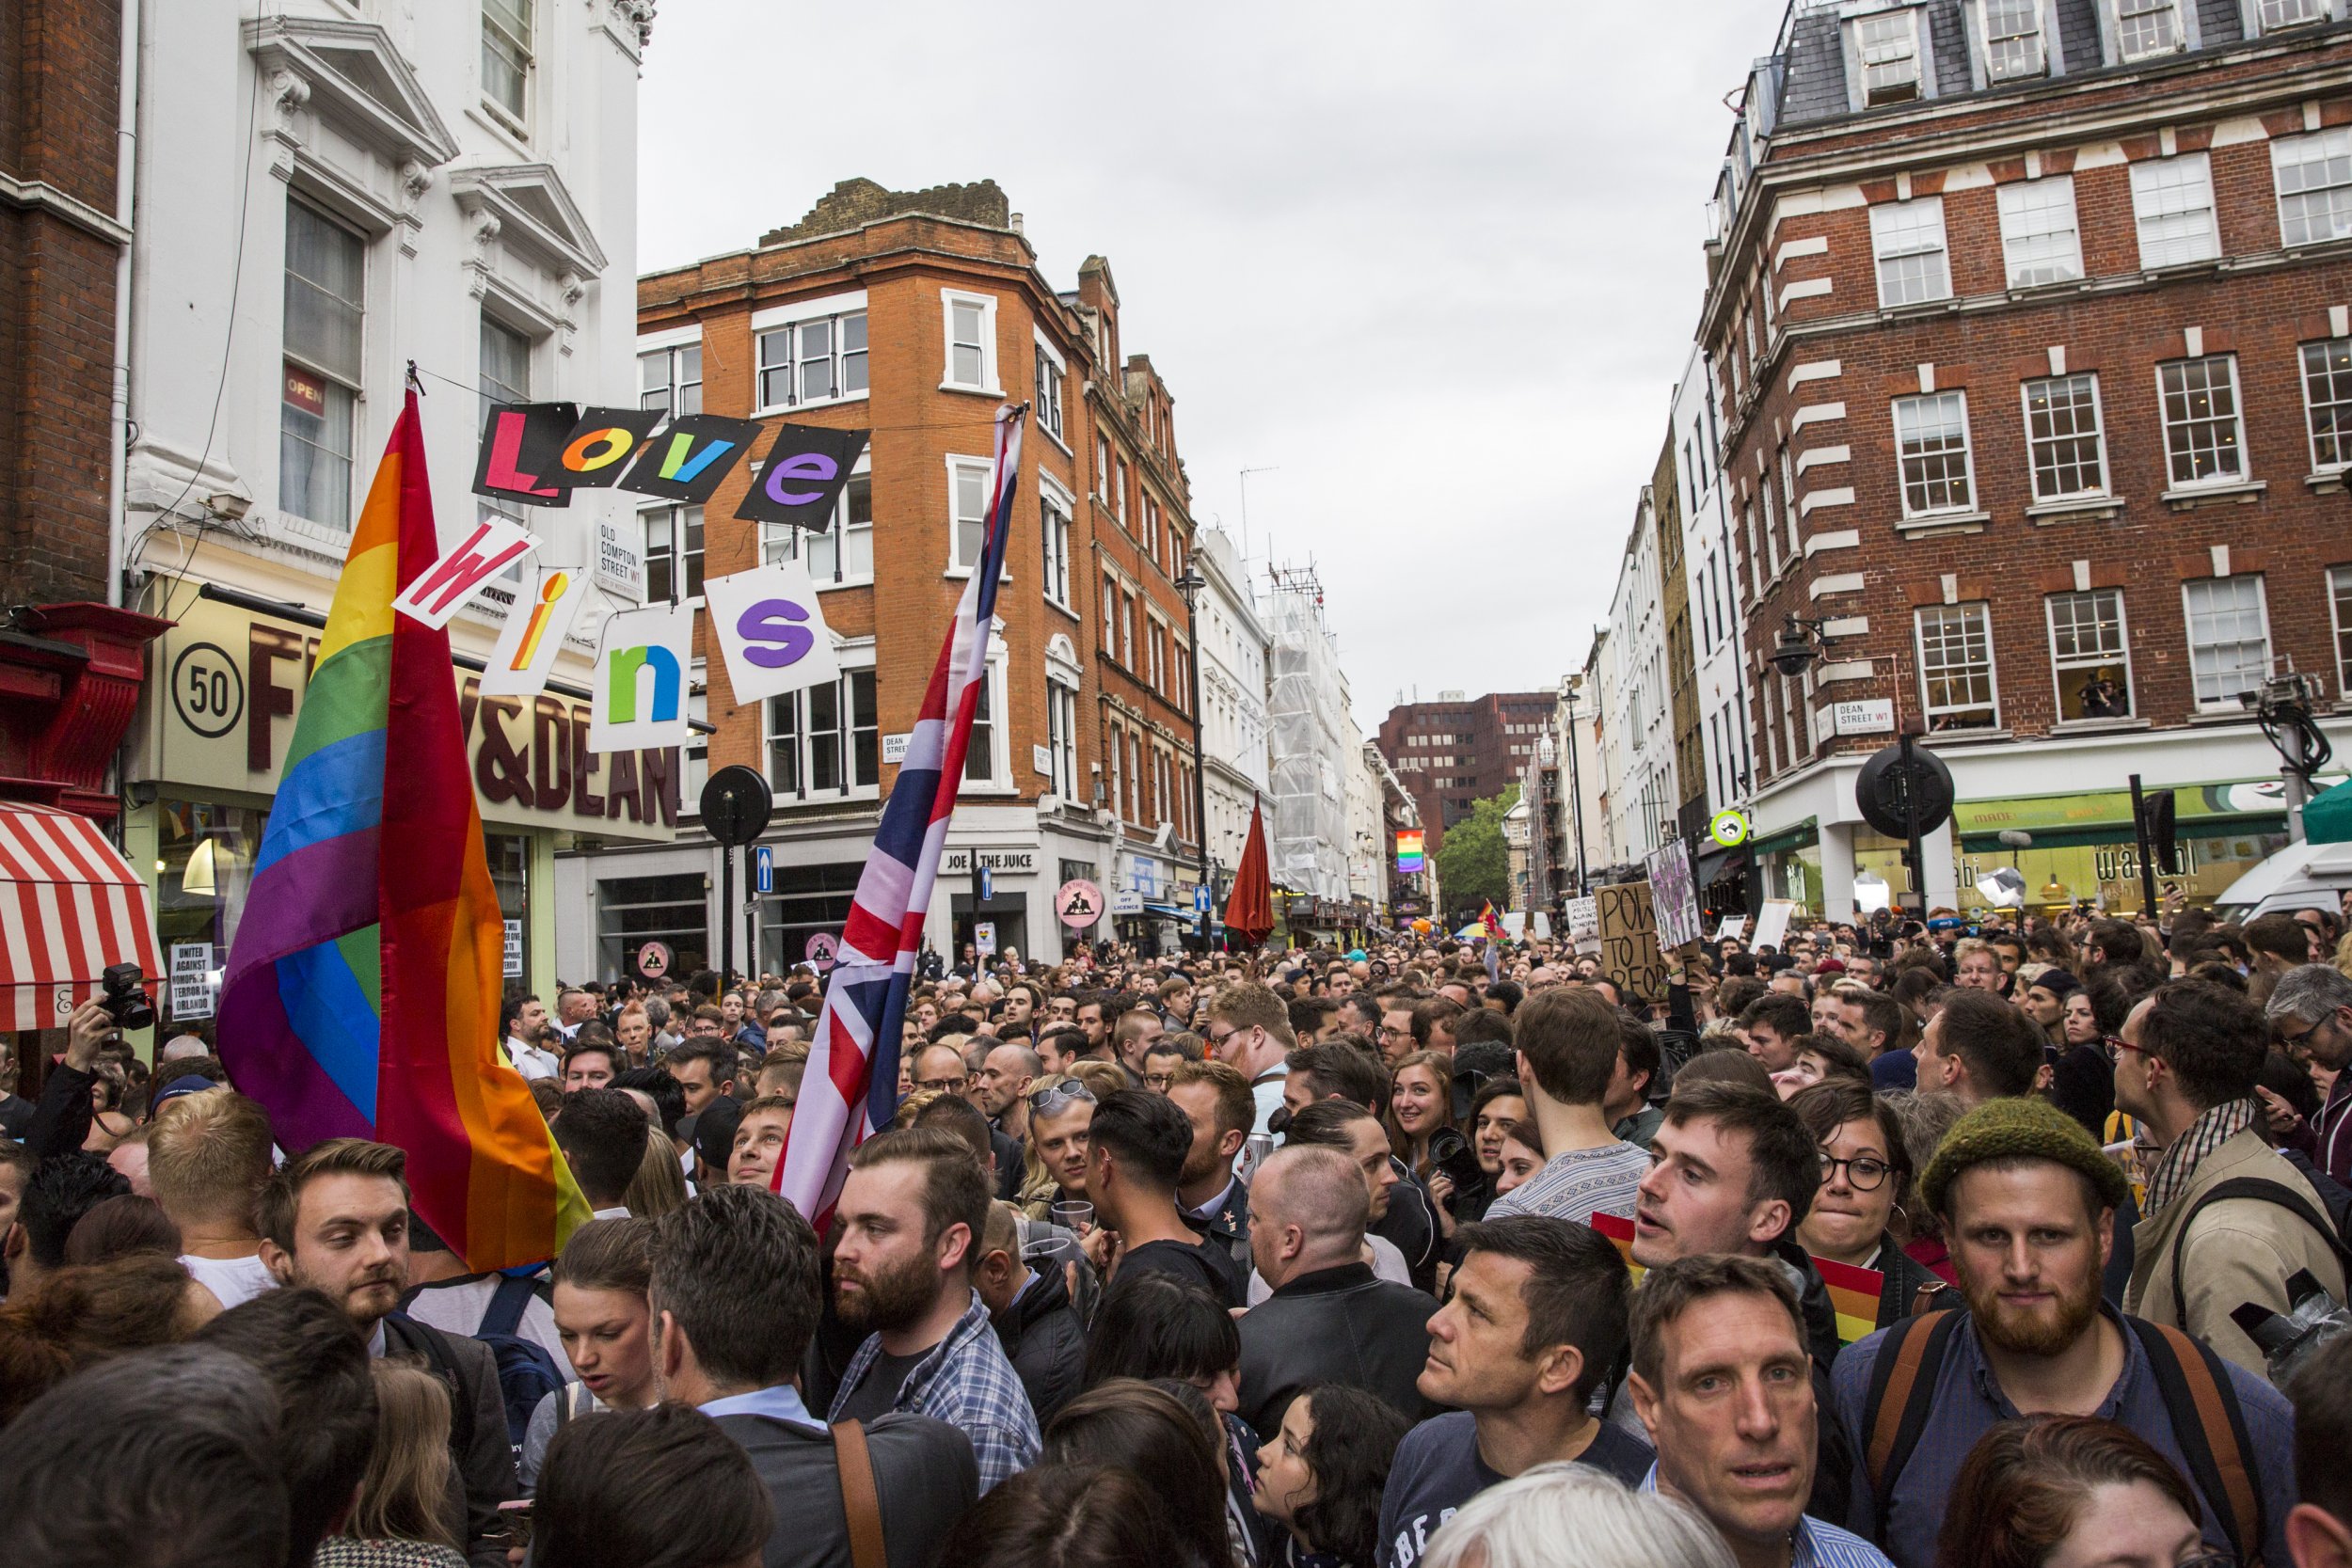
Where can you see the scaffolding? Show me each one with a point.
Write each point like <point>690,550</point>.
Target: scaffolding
<point>1311,735</point>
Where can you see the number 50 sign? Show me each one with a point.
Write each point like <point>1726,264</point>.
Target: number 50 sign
<point>769,632</point>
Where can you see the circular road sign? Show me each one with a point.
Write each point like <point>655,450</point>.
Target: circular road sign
<point>1883,786</point>
<point>737,803</point>
<point>654,959</point>
<point>1078,903</point>
<point>1730,828</point>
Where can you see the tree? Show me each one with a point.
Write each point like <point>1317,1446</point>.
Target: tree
<point>1473,867</point>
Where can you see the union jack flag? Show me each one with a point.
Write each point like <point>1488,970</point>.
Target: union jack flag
<point>851,1085</point>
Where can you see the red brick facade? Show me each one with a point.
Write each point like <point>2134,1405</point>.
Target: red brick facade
<point>59,111</point>
<point>1456,751</point>
<point>1808,377</point>
<point>912,255</point>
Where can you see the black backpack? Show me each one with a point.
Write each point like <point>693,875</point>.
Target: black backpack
<point>527,1374</point>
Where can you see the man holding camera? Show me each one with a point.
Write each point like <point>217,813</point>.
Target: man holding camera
<point>1567,1042</point>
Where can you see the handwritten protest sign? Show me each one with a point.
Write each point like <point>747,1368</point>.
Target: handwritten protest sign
<point>1629,941</point>
<point>1672,897</point>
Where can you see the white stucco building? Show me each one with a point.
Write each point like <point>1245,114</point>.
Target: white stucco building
<point>1637,743</point>
<point>326,193</point>
<point>1233,644</point>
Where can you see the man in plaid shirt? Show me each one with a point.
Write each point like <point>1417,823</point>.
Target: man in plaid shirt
<point>908,1228</point>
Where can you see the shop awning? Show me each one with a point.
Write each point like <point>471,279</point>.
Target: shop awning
<point>70,905</point>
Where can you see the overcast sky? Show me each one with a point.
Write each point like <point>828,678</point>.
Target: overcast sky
<point>1436,263</point>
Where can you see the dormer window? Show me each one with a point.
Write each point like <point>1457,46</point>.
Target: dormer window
<point>2144,28</point>
<point>1888,47</point>
<point>2271,16</point>
<point>2013,39</point>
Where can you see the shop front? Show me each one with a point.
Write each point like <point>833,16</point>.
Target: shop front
<point>212,733</point>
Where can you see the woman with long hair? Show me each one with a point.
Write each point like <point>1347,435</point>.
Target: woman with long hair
<point>1320,1476</point>
<point>1420,1101</point>
<point>1498,1103</point>
<point>1155,1327</point>
<point>1146,1430</point>
<point>397,1521</point>
<point>2053,1490</point>
<point>658,1187</point>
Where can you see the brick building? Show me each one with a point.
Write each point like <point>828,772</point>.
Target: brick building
<point>915,315</point>
<point>1460,749</point>
<point>2027,328</point>
<point>70,660</point>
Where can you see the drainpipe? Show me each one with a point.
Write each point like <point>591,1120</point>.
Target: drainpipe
<point>119,399</point>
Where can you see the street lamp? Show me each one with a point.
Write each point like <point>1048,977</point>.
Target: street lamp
<point>1799,644</point>
<point>1189,585</point>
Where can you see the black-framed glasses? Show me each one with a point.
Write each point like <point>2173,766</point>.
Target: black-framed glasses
<point>1051,1098</point>
<point>1864,1173</point>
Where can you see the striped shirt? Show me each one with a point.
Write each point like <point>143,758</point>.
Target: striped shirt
<point>1815,1545</point>
<point>2172,1170</point>
<point>1578,1184</point>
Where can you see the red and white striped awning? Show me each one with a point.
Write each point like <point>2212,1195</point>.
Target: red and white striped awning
<point>70,905</point>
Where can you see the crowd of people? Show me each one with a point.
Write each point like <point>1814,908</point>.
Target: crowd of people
<point>2018,1243</point>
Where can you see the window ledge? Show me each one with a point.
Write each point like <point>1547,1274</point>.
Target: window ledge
<point>975,391</point>
<point>2232,714</point>
<point>958,574</point>
<point>2099,726</point>
<point>2046,512</point>
<point>1966,737</point>
<point>786,410</point>
<point>2022,292</point>
<point>1059,442</point>
<point>2237,492</point>
<point>1051,603</point>
<point>2326,479</point>
<point>1919,309</point>
<point>1943,522</point>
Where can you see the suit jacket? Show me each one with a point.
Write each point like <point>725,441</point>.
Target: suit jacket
<point>925,1476</point>
<point>1045,1342</point>
<point>1334,1325</point>
<point>481,1474</point>
<point>1229,1225</point>
<point>2237,1250</point>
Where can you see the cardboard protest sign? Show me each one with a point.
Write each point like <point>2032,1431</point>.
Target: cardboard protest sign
<point>770,630</point>
<point>596,450</point>
<point>686,462</point>
<point>1772,923</point>
<point>1673,898</point>
<point>801,476</point>
<point>442,588</point>
<point>639,688</point>
<point>1629,941</point>
<point>520,441</point>
<point>544,611</point>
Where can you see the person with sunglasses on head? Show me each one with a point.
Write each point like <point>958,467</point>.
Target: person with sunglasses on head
<point>1061,1110</point>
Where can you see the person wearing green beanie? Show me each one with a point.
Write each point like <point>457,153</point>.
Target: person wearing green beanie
<point>2027,1201</point>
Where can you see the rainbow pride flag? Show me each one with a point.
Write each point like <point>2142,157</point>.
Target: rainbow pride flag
<point>362,992</point>
<point>1620,1230</point>
<point>1854,1292</point>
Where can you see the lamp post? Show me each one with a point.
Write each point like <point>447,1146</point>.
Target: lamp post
<point>1189,585</point>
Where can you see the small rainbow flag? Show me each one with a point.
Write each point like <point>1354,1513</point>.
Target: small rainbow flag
<point>362,992</point>
<point>1854,1292</point>
<point>1619,1229</point>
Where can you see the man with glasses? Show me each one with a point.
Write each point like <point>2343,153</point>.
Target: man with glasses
<point>1396,1028</point>
<point>1250,1031</point>
<point>2311,1009</point>
<point>2184,1066</point>
<point>941,1068</point>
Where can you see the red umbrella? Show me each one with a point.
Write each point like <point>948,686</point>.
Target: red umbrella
<point>1249,907</point>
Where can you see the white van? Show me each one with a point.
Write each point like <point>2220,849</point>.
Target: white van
<point>2299,877</point>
